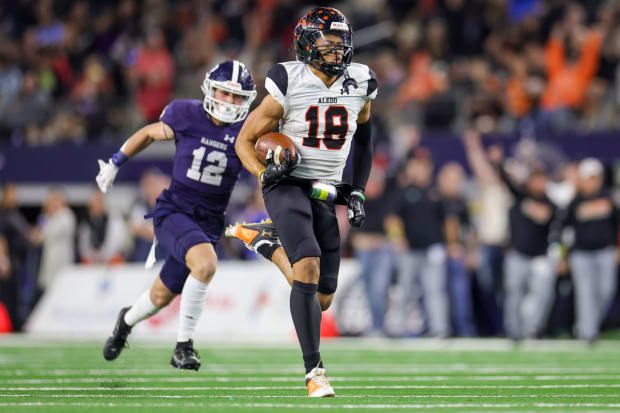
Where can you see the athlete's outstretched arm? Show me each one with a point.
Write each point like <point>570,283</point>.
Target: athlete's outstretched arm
<point>137,142</point>
<point>262,120</point>
<point>157,131</point>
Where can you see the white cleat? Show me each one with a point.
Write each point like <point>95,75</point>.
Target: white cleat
<point>318,385</point>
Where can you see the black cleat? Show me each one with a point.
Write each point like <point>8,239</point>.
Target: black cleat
<point>254,235</point>
<point>118,340</point>
<point>185,357</point>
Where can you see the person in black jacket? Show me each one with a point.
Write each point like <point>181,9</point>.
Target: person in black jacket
<point>416,225</point>
<point>594,217</point>
<point>529,272</point>
<point>14,237</point>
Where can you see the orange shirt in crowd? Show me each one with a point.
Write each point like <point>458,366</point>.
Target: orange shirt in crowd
<point>155,69</point>
<point>567,84</point>
<point>517,100</point>
<point>420,85</point>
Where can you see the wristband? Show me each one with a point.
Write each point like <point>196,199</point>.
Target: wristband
<point>119,158</point>
<point>359,194</point>
<point>260,175</point>
<point>323,191</point>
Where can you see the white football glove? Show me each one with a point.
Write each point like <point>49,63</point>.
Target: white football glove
<point>107,174</point>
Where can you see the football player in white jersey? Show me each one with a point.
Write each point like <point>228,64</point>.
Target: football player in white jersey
<point>322,102</point>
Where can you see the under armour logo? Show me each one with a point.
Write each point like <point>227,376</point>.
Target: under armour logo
<point>267,233</point>
<point>230,139</point>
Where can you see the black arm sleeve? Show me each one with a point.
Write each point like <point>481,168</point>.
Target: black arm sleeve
<point>362,155</point>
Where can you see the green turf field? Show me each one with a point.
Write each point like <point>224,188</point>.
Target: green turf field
<point>370,375</point>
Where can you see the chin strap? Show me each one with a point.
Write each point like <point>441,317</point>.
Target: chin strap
<point>348,80</point>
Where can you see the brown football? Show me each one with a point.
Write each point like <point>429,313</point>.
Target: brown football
<point>278,143</point>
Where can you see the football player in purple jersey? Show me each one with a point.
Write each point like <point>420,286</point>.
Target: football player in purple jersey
<point>189,215</point>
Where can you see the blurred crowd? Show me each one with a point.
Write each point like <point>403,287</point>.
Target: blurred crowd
<point>513,249</point>
<point>33,251</point>
<point>79,70</point>
<point>516,249</point>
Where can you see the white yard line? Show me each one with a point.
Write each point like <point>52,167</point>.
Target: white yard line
<point>374,396</point>
<point>412,368</point>
<point>251,388</point>
<point>294,379</point>
<point>316,406</point>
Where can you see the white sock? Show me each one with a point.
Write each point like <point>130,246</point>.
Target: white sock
<point>192,303</point>
<point>143,308</point>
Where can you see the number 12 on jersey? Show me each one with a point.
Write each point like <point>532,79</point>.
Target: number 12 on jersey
<point>335,123</point>
<point>211,174</point>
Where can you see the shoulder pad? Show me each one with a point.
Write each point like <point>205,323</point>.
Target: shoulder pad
<point>279,76</point>
<point>362,73</point>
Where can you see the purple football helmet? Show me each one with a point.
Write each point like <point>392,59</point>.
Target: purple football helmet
<point>231,76</point>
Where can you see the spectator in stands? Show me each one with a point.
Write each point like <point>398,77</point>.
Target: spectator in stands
<point>424,80</point>
<point>473,60</point>
<point>519,91</point>
<point>56,233</point>
<point>28,110</point>
<point>570,76</point>
<point>529,273</point>
<point>152,182</point>
<point>373,251</point>
<point>92,92</point>
<point>65,125</point>
<point>102,234</point>
<point>416,220</point>
<point>10,78</point>
<point>563,189</point>
<point>491,228</point>
<point>49,30</point>
<point>598,109</point>
<point>153,75</point>
<point>428,83</point>
<point>457,235</point>
<point>594,217</point>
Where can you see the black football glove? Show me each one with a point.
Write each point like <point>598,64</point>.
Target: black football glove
<point>355,208</point>
<point>275,173</point>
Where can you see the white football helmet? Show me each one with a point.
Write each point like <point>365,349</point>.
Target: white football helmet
<point>231,76</point>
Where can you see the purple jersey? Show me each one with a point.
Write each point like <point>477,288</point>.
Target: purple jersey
<point>206,165</point>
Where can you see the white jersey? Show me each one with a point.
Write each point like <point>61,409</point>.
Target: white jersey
<point>320,120</point>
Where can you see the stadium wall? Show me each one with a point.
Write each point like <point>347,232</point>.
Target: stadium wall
<point>245,301</point>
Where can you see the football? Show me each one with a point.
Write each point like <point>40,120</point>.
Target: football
<point>278,143</point>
